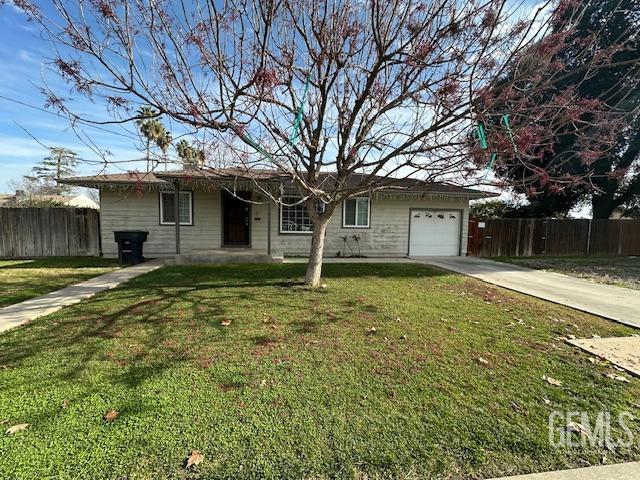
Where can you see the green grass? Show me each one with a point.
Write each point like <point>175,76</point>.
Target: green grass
<point>620,271</point>
<point>24,279</point>
<point>296,386</point>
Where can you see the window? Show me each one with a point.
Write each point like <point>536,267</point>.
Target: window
<point>355,212</point>
<point>168,212</point>
<point>294,217</point>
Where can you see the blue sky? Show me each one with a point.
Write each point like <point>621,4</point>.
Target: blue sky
<point>22,69</point>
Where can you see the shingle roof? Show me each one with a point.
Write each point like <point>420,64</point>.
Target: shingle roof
<point>114,178</point>
<point>162,180</point>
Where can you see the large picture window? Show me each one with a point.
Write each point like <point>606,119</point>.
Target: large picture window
<point>168,210</point>
<point>355,212</point>
<point>294,217</point>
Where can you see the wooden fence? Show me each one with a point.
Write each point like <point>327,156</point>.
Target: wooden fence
<point>48,232</point>
<point>525,237</point>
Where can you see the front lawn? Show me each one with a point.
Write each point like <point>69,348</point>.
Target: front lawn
<point>24,279</point>
<point>620,271</point>
<point>391,371</point>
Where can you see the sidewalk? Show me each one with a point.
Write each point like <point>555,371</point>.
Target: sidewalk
<point>19,313</point>
<point>621,471</point>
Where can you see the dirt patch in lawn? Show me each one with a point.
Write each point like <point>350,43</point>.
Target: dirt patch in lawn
<point>620,271</point>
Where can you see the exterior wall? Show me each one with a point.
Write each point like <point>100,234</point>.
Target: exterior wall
<point>387,235</point>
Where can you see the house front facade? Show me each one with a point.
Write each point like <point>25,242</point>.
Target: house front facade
<point>225,212</point>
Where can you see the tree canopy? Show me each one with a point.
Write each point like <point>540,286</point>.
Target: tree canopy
<point>607,172</point>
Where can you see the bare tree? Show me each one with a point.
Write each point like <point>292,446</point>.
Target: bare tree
<point>339,96</point>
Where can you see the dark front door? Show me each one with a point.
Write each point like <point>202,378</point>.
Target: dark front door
<point>236,215</point>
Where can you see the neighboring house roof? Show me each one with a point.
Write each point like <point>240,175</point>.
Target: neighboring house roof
<point>78,201</point>
<point>162,180</point>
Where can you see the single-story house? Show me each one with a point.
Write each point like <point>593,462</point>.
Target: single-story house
<point>406,218</point>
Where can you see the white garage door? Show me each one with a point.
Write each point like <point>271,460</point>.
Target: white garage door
<point>435,233</point>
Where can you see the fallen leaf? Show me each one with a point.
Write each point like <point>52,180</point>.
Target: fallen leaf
<point>483,361</point>
<point>195,458</point>
<point>577,428</point>
<point>65,403</point>
<point>16,428</point>
<point>552,381</point>
<point>619,378</point>
<point>225,323</point>
<point>111,415</point>
<point>515,407</point>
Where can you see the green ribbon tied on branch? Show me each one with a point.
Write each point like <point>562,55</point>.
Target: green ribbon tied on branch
<point>295,131</point>
<point>481,136</point>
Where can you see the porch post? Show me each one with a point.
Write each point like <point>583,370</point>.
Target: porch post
<point>268,227</point>
<point>176,206</point>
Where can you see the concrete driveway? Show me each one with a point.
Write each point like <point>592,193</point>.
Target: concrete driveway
<point>616,303</point>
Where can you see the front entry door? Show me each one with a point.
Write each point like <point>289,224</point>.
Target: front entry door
<point>236,219</point>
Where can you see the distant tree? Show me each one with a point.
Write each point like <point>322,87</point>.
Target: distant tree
<point>189,154</point>
<point>488,209</point>
<point>632,209</point>
<point>153,131</point>
<point>45,179</point>
<point>164,142</point>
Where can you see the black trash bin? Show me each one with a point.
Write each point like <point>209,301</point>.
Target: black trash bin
<point>130,245</point>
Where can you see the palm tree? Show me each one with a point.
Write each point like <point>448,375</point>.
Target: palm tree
<point>150,128</point>
<point>163,140</point>
<point>190,155</point>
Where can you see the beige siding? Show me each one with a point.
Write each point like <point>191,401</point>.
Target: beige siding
<point>130,210</point>
<point>387,236</point>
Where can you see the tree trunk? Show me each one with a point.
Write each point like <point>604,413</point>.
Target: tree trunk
<point>314,267</point>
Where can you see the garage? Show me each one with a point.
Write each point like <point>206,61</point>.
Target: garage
<point>435,233</point>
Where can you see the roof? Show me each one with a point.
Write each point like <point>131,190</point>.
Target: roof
<point>129,178</point>
<point>80,201</point>
<point>162,180</point>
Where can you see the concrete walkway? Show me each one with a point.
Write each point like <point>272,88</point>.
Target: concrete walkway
<point>23,312</point>
<point>615,303</point>
<point>621,471</point>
